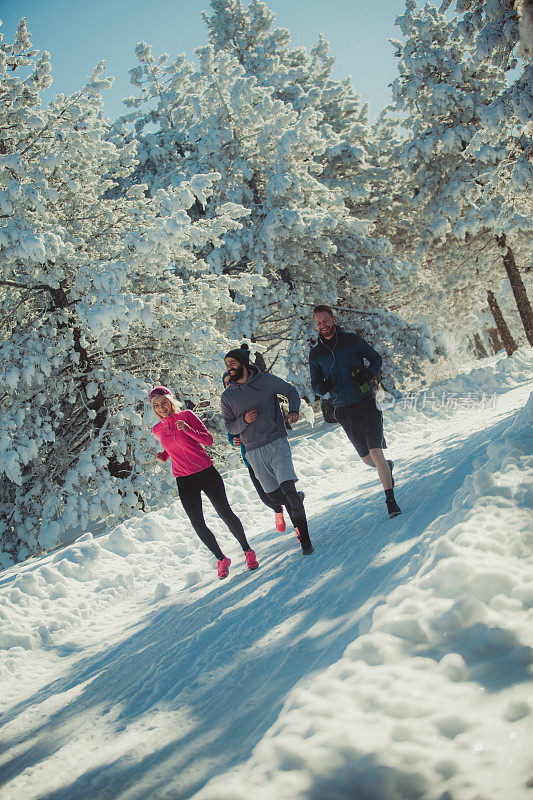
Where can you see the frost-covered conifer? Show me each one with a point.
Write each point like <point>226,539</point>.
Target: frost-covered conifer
<point>459,208</point>
<point>501,32</point>
<point>92,309</point>
<point>490,26</point>
<point>286,140</point>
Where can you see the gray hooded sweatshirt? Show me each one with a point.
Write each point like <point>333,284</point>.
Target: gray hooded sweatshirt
<point>260,392</point>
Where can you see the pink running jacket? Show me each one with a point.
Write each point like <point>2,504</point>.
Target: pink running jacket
<point>184,447</point>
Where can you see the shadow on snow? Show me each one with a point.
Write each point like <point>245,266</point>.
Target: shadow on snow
<point>227,660</point>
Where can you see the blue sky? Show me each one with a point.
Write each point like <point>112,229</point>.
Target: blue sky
<point>80,33</point>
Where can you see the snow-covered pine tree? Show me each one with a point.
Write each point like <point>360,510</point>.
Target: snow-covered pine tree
<point>445,91</point>
<point>490,27</point>
<point>284,137</point>
<point>368,273</point>
<point>502,33</point>
<point>91,308</point>
<point>453,304</point>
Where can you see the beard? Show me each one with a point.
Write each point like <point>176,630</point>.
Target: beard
<point>237,375</point>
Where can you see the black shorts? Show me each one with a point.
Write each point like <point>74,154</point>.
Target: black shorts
<point>363,425</point>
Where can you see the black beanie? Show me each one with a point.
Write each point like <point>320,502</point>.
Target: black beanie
<point>240,354</point>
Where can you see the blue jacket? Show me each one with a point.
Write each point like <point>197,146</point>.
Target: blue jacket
<point>261,392</point>
<point>335,358</point>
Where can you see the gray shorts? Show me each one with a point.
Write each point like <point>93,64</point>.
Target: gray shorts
<point>272,464</point>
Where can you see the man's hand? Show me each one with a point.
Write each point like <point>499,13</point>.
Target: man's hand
<point>293,417</point>
<point>326,385</point>
<point>361,376</point>
<point>251,415</point>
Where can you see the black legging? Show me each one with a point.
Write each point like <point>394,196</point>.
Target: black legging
<point>209,481</point>
<point>276,507</point>
<point>291,499</point>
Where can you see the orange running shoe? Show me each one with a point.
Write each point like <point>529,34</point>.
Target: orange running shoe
<point>280,522</point>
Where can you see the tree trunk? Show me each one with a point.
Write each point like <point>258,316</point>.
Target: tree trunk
<point>118,469</point>
<point>505,334</point>
<point>479,347</point>
<point>495,340</point>
<point>517,285</point>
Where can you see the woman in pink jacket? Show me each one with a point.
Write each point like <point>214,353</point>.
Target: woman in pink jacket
<point>183,436</point>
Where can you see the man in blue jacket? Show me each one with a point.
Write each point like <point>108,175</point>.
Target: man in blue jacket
<point>251,411</point>
<point>337,366</point>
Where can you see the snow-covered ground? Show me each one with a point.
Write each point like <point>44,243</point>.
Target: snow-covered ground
<point>395,662</point>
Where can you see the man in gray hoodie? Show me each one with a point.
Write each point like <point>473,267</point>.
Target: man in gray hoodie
<point>251,411</point>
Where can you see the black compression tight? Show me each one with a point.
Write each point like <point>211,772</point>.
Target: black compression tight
<point>190,488</point>
<point>288,496</point>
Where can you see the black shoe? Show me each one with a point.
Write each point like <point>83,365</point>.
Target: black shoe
<point>393,508</point>
<point>305,542</point>
<point>391,465</point>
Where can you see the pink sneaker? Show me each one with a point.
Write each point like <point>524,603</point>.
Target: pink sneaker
<point>251,560</point>
<point>280,522</point>
<point>223,567</point>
